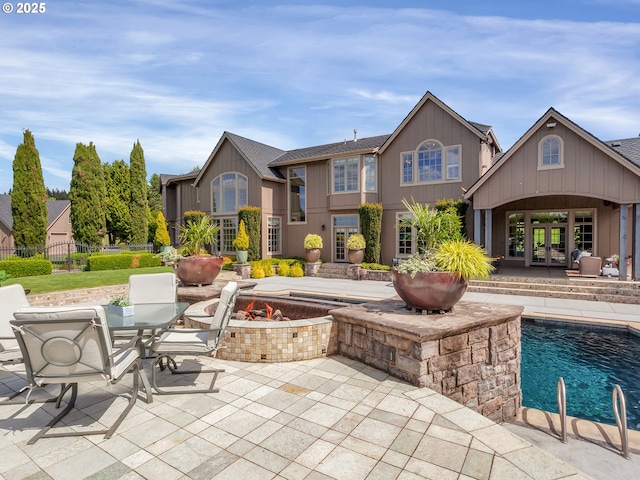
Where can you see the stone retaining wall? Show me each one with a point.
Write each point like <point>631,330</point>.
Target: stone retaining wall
<point>81,295</point>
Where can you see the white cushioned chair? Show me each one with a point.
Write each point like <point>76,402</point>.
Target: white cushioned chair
<point>12,297</point>
<point>71,345</point>
<point>194,342</point>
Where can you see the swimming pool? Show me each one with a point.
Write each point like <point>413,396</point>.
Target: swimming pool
<point>591,363</point>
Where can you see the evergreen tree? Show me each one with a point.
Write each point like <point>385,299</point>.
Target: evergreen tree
<point>138,205</point>
<point>117,212</point>
<point>28,196</point>
<point>87,194</point>
<point>154,197</point>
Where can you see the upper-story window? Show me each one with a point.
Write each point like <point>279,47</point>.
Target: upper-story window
<point>550,152</point>
<point>370,174</point>
<point>431,162</point>
<point>297,179</point>
<point>345,175</point>
<point>229,193</point>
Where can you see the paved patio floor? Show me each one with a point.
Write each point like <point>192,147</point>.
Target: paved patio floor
<point>317,419</point>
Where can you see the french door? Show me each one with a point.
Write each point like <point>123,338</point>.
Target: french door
<point>343,227</point>
<point>549,245</point>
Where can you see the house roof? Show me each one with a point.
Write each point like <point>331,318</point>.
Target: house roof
<point>166,179</point>
<point>626,152</point>
<point>54,210</point>
<point>484,132</point>
<point>362,145</point>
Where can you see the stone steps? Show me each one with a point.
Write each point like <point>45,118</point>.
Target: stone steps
<point>334,270</point>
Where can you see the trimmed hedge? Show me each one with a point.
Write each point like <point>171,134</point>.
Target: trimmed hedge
<point>122,260</point>
<point>26,268</point>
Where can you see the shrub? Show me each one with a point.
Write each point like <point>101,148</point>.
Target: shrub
<point>252,217</point>
<point>161,237</point>
<point>371,226</point>
<point>267,266</point>
<point>193,216</point>
<point>26,268</point>
<point>356,242</point>
<point>312,240</point>
<point>375,266</point>
<point>283,269</point>
<point>257,271</point>
<point>296,270</point>
<point>241,242</point>
<point>122,260</point>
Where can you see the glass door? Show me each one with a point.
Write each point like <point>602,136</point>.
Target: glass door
<point>549,245</point>
<point>343,227</point>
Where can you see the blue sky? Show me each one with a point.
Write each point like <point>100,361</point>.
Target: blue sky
<point>176,74</point>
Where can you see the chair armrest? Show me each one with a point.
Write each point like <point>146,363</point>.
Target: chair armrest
<point>130,344</point>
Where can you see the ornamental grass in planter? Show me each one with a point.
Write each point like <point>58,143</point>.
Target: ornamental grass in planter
<point>312,247</point>
<point>196,266</point>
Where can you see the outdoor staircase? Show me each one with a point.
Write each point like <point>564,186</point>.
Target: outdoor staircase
<point>595,289</point>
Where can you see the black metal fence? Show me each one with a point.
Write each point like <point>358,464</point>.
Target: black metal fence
<point>70,256</point>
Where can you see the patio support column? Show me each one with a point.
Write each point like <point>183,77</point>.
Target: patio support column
<point>622,265</point>
<point>477,227</point>
<point>635,245</point>
<point>487,230</point>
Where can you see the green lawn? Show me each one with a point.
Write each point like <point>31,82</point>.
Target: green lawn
<point>70,281</point>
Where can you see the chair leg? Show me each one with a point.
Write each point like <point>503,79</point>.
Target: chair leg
<point>145,384</point>
<point>171,364</point>
<point>70,405</point>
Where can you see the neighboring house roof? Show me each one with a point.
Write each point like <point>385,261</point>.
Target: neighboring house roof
<point>482,131</point>
<point>630,147</point>
<point>55,208</point>
<point>258,156</point>
<point>362,145</point>
<point>167,179</point>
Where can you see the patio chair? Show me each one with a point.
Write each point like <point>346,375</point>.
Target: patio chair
<point>194,342</point>
<point>149,288</point>
<point>590,266</point>
<point>71,345</point>
<point>12,297</point>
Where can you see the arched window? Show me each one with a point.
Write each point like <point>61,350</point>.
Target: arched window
<point>229,193</point>
<point>550,152</point>
<point>429,161</point>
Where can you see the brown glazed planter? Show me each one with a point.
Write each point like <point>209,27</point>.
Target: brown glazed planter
<point>355,256</point>
<point>198,270</point>
<point>312,254</point>
<point>430,290</point>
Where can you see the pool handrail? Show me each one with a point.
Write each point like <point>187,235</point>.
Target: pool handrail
<point>621,419</point>
<point>561,396</point>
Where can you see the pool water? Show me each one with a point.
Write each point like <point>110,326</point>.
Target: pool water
<point>591,363</point>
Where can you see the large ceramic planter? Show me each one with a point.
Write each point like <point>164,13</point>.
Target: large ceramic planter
<point>242,256</point>
<point>355,256</point>
<point>434,291</point>
<point>198,270</point>
<point>312,254</point>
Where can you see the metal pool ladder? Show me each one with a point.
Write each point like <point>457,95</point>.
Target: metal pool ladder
<point>620,414</point>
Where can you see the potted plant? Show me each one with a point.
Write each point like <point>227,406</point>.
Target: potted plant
<point>170,256</point>
<point>120,306</point>
<point>241,243</point>
<point>436,276</point>
<point>312,246</point>
<point>355,246</point>
<point>196,266</point>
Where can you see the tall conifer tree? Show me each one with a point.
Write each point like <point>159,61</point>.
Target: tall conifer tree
<point>138,205</point>
<point>28,196</point>
<point>87,194</point>
<point>117,206</point>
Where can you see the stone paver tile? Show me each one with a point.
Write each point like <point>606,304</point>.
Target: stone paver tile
<point>363,447</point>
<point>380,433</point>
<point>12,457</point>
<point>215,416</point>
<point>259,392</point>
<point>84,464</point>
<point>442,421</point>
<point>338,402</point>
<point>198,405</point>
<point>406,442</point>
<point>212,466</point>
<point>262,410</point>
<point>301,405</point>
<point>396,459</point>
<point>136,459</point>
<point>187,455</point>
<point>389,417</point>
<point>400,406</point>
<point>384,471</point>
<point>263,432</point>
<point>156,468</point>
<point>424,414</point>
<point>150,432</point>
<point>175,415</point>
<point>478,465</point>
<point>115,470</point>
<point>295,471</point>
<point>351,392</point>
<point>242,468</point>
<point>288,442</point>
<point>425,469</point>
<point>240,423</point>
<point>242,387</point>
<point>313,382</point>
<point>439,403</point>
<point>343,464</point>
<point>26,470</point>
<point>218,437</point>
<point>334,436</point>
<point>316,452</point>
<point>168,442</point>
<point>266,459</point>
<point>118,447</point>
<point>502,469</point>
<point>325,415</point>
<point>306,426</point>
<point>440,452</point>
<point>417,425</point>
<point>539,464</point>
<point>455,436</point>
<point>347,423</point>
<point>467,419</point>
<point>240,447</point>
<point>500,439</point>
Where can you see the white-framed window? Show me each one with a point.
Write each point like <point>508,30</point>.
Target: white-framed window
<point>370,174</point>
<point>515,235</point>
<point>228,193</point>
<point>345,173</point>
<point>405,240</point>
<point>550,152</point>
<point>227,233</point>
<point>297,186</point>
<point>431,163</point>
<point>274,235</point>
